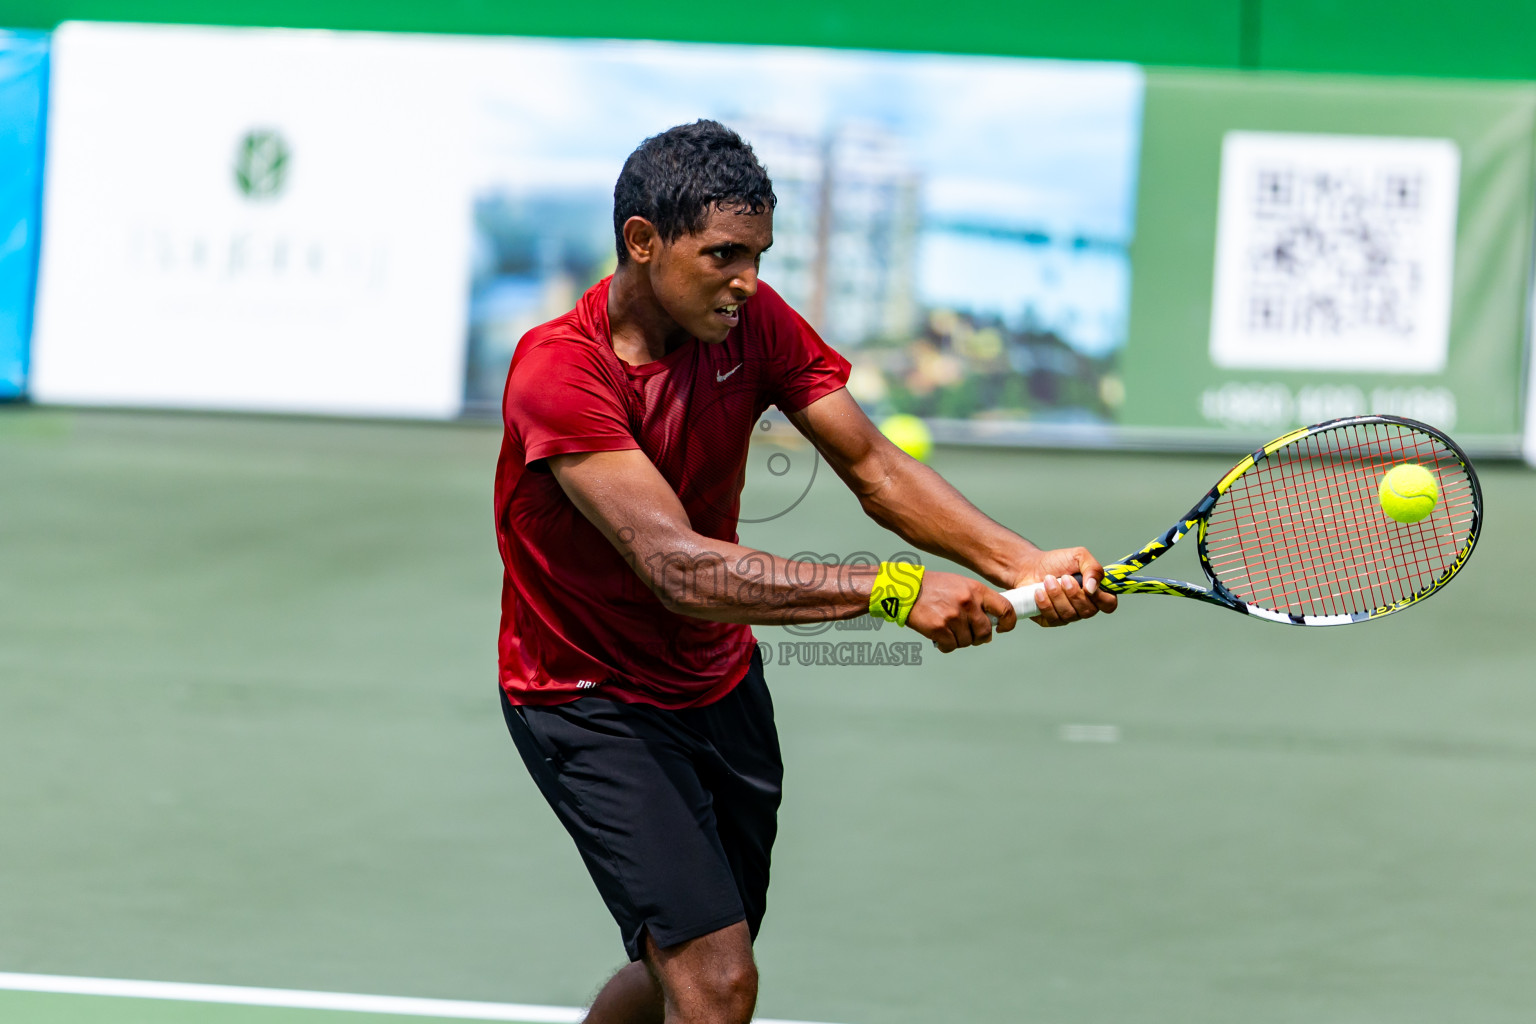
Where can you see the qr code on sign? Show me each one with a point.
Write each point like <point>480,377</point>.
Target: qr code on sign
<point>1334,252</point>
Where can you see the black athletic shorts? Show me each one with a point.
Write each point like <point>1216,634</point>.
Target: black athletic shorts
<point>674,812</point>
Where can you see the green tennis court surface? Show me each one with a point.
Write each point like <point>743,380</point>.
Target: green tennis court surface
<point>248,736</point>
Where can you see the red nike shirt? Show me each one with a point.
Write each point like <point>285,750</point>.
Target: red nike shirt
<point>575,618</point>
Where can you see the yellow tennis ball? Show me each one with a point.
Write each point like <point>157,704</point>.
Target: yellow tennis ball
<point>1408,493</point>
<point>910,434</point>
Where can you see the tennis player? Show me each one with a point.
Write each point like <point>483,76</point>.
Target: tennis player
<point>630,679</point>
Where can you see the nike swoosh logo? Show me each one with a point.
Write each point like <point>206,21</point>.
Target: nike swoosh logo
<point>720,377</point>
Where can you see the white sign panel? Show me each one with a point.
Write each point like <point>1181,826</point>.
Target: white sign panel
<point>1334,252</point>
<point>254,220</point>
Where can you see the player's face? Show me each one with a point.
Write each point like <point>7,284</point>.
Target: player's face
<point>702,279</point>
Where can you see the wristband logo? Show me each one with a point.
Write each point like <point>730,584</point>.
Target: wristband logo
<point>895,590</point>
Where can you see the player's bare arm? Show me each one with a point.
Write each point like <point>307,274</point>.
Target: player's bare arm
<point>624,495</point>
<point>921,507</point>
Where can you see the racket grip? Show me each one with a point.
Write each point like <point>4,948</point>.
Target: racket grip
<point>1023,598</point>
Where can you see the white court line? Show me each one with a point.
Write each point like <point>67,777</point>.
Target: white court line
<point>1077,733</point>
<point>295,999</point>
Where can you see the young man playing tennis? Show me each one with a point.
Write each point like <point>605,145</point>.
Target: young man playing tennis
<point>630,679</point>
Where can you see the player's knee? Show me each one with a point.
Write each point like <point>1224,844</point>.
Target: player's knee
<point>737,992</point>
<point>727,994</point>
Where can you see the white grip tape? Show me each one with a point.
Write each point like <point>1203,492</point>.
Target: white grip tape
<point>1023,600</point>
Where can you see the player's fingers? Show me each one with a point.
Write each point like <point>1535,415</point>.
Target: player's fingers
<point>962,626</point>
<point>981,622</point>
<point>1079,598</point>
<point>1090,569</point>
<point>1001,609</point>
<point>934,628</point>
<point>1044,615</point>
<point>1066,611</point>
<point>1055,609</point>
<point>1106,601</point>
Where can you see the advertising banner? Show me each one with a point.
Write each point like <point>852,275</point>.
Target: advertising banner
<point>1020,251</point>
<point>23,92</point>
<point>253,220</point>
<point>303,228</point>
<point>1318,246</point>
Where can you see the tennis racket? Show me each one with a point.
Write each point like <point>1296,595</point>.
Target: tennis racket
<point>1295,532</point>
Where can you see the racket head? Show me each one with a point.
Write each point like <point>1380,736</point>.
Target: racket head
<point>1296,532</point>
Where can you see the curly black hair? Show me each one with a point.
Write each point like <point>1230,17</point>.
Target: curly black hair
<point>676,178</point>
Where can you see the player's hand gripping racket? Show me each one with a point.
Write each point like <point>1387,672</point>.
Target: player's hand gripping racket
<point>1297,532</point>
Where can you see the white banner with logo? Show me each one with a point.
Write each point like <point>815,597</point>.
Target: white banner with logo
<point>253,220</point>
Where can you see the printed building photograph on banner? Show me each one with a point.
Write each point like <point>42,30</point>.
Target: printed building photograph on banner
<point>1334,252</point>
<point>958,227</point>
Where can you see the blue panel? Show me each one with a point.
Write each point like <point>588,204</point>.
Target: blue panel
<point>23,98</point>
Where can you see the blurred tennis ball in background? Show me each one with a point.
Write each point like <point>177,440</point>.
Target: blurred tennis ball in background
<point>910,434</point>
<point>1408,493</point>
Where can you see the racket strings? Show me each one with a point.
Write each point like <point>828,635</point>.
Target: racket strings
<point>1355,563</point>
<point>1303,531</point>
<point>1364,560</point>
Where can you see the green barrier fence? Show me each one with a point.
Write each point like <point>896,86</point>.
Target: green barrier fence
<point>1472,39</point>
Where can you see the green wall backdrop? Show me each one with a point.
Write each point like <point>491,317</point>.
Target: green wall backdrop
<point>1472,39</point>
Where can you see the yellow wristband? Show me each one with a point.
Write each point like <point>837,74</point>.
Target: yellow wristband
<point>895,591</point>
